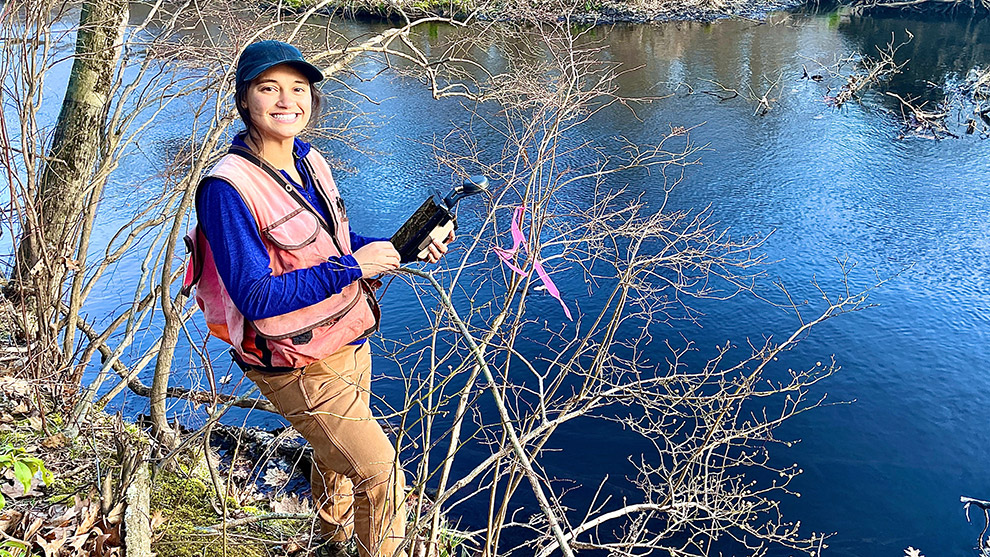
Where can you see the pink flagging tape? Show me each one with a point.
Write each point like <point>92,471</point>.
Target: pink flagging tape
<point>551,287</point>
<point>506,258</point>
<point>518,239</point>
<point>517,235</point>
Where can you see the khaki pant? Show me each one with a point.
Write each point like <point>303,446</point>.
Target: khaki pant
<point>356,480</point>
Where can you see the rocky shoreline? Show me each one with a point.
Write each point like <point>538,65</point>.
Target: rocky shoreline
<point>619,12</point>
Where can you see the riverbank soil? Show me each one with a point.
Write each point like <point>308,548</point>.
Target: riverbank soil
<point>82,502</point>
<point>54,498</point>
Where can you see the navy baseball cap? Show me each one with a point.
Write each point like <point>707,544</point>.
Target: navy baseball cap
<point>260,56</point>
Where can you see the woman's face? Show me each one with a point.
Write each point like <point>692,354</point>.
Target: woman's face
<point>280,104</point>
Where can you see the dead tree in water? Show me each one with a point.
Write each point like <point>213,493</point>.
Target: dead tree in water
<point>852,76</point>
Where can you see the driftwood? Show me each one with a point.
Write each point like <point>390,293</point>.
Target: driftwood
<point>867,6</point>
<point>984,544</point>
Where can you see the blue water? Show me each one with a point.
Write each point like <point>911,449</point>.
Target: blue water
<point>885,465</point>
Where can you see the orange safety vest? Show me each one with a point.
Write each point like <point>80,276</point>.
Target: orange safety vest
<point>296,237</point>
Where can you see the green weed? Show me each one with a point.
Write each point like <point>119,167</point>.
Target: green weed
<point>25,468</point>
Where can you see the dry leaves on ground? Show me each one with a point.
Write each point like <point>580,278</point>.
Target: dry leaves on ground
<point>76,530</point>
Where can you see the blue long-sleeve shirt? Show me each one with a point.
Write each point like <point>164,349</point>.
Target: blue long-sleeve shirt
<point>242,260</point>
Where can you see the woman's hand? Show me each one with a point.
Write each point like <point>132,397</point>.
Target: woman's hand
<point>437,249</point>
<point>376,258</point>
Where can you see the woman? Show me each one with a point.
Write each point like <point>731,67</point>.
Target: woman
<point>282,278</point>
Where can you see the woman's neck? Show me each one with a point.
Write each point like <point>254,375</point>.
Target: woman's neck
<point>276,153</point>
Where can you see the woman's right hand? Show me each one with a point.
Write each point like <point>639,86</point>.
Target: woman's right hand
<point>376,257</point>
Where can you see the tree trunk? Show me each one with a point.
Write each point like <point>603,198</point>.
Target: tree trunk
<point>47,245</point>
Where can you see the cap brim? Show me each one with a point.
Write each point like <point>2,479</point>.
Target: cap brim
<point>312,73</point>
<point>309,70</point>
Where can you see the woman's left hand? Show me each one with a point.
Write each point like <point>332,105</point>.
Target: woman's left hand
<point>437,249</point>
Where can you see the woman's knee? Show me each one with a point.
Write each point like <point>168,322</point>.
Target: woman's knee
<point>377,475</point>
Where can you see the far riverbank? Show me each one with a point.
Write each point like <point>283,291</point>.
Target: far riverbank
<point>604,12</point>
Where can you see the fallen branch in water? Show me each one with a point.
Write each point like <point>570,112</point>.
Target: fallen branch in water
<point>202,397</point>
<point>918,5</point>
<point>867,72</point>
<point>919,121</point>
<point>985,505</point>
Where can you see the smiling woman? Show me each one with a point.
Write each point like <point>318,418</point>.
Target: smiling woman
<point>282,278</point>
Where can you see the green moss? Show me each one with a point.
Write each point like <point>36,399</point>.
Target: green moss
<point>184,502</point>
<point>295,5</point>
<point>65,487</point>
<point>184,505</point>
<point>184,540</point>
<point>62,494</point>
<point>56,422</point>
<point>78,450</point>
<point>834,19</point>
<point>182,497</point>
